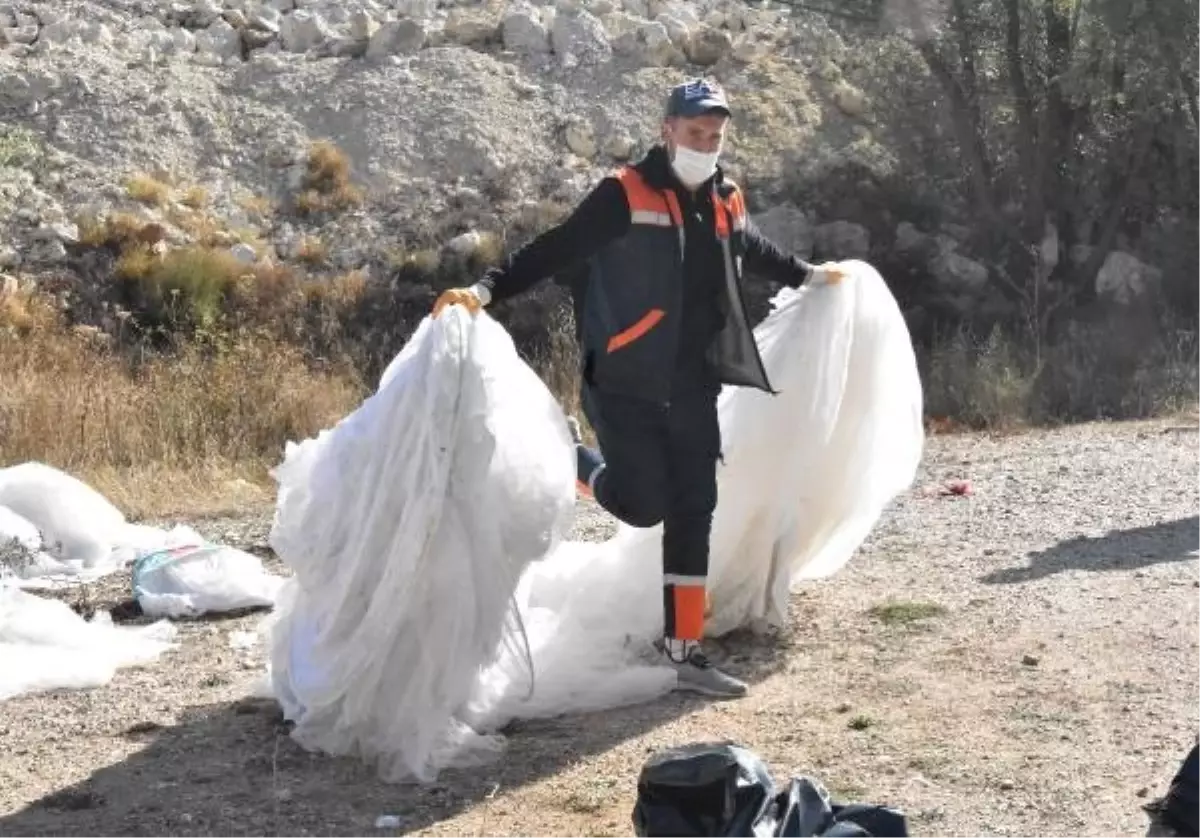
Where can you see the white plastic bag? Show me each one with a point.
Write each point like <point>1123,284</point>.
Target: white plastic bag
<point>44,645</point>
<point>408,526</point>
<point>78,525</point>
<point>198,578</point>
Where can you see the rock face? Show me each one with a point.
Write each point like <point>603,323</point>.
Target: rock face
<point>450,116</point>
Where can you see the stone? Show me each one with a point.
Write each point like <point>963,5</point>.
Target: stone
<point>651,44</point>
<point>244,253</point>
<point>362,26</point>
<point>47,252</point>
<point>19,34</point>
<point>63,231</point>
<point>303,31</point>
<point>465,244</point>
<point>619,146</point>
<point>580,39</point>
<point>581,139</point>
<point>219,39</point>
<point>849,99</point>
<point>707,46</point>
<point>524,32</point>
<point>9,257</point>
<point>469,28</point>
<point>397,37</point>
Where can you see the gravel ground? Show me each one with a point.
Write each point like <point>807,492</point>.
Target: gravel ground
<point>1021,660</point>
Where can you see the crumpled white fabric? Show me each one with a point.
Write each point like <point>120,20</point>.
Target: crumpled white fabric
<point>413,523</point>
<point>408,526</point>
<point>44,645</point>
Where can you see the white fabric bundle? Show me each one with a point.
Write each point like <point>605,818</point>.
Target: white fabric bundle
<point>410,524</point>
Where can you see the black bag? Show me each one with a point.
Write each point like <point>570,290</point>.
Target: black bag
<point>1178,809</point>
<point>724,789</point>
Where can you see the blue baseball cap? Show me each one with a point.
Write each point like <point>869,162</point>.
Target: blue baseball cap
<point>696,98</point>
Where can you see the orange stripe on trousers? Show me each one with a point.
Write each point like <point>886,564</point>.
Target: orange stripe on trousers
<point>689,612</point>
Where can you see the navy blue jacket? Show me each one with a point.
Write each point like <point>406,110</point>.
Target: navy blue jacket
<point>662,306</point>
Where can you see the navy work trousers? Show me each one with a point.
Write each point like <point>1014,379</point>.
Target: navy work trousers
<point>660,466</point>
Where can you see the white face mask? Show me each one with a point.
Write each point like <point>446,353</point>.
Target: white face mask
<point>694,167</point>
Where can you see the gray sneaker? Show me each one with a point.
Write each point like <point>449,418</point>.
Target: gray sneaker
<point>696,673</point>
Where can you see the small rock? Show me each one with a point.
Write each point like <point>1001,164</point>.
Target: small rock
<point>63,232</point>
<point>580,39</point>
<point>244,253</point>
<point>47,252</point>
<point>220,39</point>
<point>9,258</point>
<point>19,34</point>
<point>303,31</point>
<point>849,99</point>
<point>465,244</point>
<point>1007,785</point>
<point>524,32</point>
<point>1030,660</point>
<point>619,146</point>
<point>707,46</point>
<point>397,37</point>
<point>362,26</point>
<point>581,139</point>
<point>469,28</point>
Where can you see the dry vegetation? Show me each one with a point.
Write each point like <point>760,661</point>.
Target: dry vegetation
<point>205,365</point>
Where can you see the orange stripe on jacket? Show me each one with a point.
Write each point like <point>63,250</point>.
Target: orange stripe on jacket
<point>637,330</point>
<point>641,197</point>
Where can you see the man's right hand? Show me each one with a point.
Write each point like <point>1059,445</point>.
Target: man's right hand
<point>465,297</point>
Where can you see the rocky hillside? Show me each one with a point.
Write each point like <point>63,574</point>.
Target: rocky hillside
<point>469,118</point>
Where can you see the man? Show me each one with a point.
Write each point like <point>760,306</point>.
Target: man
<point>662,327</point>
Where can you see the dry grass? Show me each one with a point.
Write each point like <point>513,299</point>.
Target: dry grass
<point>313,251</point>
<point>148,189</point>
<point>327,186</point>
<point>158,428</point>
<point>1106,370</point>
<point>195,197</point>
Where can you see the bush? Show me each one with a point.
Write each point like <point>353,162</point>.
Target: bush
<point>326,186</point>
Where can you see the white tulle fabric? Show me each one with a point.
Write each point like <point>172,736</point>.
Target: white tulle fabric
<point>434,598</point>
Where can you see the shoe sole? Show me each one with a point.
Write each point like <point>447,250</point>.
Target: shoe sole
<point>710,693</point>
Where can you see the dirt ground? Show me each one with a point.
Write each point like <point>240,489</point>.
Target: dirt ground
<point>1017,661</point>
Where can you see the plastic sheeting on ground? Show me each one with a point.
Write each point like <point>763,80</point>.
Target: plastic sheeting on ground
<point>44,645</point>
<point>413,521</point>
<point>55,530</point>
